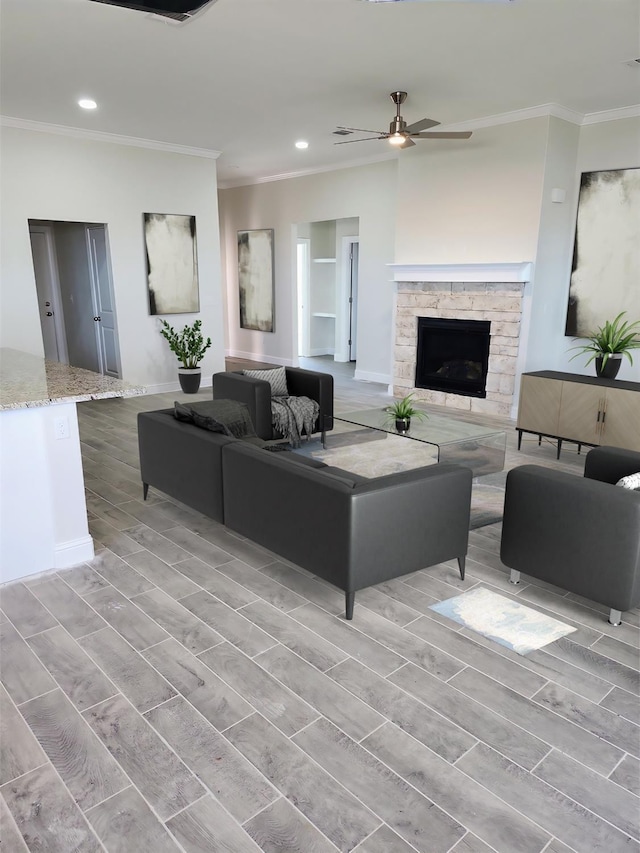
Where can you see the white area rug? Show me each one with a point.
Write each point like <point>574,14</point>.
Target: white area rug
<point>513,625</point>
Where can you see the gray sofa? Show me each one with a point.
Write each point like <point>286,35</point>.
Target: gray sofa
<point>348,530</point>
<point>256,395</point>
<point>579,533</point>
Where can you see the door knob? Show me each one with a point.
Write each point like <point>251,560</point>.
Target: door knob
<point>49,313</point>
<point>97,319</point>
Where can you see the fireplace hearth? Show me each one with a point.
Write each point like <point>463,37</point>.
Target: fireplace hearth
<point>453,355</point>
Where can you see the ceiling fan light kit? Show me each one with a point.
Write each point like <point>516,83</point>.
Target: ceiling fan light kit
<point>401,134</point>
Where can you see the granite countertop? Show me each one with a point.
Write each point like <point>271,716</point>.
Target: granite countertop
<point>28,381</point>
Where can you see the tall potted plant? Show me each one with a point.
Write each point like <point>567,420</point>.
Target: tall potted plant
<point>609,343</point>
<point>189,347</point>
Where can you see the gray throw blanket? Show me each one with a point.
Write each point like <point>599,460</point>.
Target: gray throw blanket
<point>294,415</point>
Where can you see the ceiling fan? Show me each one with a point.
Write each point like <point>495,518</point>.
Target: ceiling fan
<point>402,134</point>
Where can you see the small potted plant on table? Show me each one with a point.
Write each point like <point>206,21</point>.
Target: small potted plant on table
<point>402,411</point>
<point>609,343</point>
<point>189,346</point>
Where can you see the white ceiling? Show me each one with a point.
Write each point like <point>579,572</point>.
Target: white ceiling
<point>249,77</point>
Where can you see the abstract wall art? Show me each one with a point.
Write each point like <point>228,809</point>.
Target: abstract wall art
<point>172,263</point>
<point>605,275</point>
<point>256,279</point>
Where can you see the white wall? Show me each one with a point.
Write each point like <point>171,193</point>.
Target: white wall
<point>546,297</point>
<point>45,176</point>
<point>367,192</point>
<point>472,201</point>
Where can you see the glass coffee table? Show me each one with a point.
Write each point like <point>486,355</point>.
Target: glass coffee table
<point>478,447</point>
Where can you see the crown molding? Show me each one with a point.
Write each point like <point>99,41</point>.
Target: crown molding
<point>540,111</point>
<point>301,173</point>
<point>113,138</point>
<point>612,115</point>
<point>492,272</point>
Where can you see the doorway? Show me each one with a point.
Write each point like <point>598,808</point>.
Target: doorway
<point>327,281</point>
<point>75,294</point>
<point>352,251</point>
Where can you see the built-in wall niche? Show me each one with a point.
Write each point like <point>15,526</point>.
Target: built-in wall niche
<point>327,288</point>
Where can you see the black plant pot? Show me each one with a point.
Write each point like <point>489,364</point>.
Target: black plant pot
<point>189,379</point>
<point>403,424</point>
<point>611,368</point>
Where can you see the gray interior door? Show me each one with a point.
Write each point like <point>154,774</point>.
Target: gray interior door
<point>50,322</point>
<point>108,349</point>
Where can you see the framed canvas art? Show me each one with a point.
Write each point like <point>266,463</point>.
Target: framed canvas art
<point>605,275</point>
<point>256,279</point>
<point>172,263</point>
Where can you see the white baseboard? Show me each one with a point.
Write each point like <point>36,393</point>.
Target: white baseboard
<point>261,356</point>
<point>71,553</point>
<point>366,376</point>
<point>322,351</point>
<point>165,387</point>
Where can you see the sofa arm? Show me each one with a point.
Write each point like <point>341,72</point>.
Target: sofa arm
<point>182,460</point>
<point>254,393</point>
<point>317,386</point>
<point>408,521</point>
<point>610,464</point>
<point>577,533</point>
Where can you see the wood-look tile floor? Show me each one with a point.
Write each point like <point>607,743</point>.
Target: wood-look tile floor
<point>189,691</point>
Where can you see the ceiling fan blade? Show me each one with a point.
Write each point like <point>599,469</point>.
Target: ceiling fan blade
<point>359,129</point>
<point>407,143</point>
<point>366,139</point>
<point>462,134</point>
<point>423,124</point>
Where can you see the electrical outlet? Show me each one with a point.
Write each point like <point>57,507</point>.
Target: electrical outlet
<point>61,427</point>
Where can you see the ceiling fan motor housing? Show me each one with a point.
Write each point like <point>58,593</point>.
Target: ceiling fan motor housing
<point>397,125</point>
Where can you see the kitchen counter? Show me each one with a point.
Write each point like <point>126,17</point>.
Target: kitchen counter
<point>29,381</point>
<point>43,511</point>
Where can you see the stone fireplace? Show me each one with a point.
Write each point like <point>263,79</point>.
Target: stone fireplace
<point>491,293</point>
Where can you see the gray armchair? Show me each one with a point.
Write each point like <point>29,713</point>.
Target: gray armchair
<point>579,533</point>
<point>256,395</point>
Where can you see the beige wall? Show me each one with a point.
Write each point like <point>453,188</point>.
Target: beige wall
<point>472,201</point>
<point>367,192</point>
<point>51,177</point>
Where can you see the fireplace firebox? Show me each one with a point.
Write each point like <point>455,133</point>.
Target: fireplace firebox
<point>453,356</point>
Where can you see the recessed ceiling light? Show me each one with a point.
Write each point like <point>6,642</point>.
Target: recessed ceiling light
<point>87,104</point>
<point>302,144</point>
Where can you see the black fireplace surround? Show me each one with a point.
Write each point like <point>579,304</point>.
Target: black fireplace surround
<point>453,356</point>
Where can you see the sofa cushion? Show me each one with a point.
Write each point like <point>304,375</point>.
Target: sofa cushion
<point>200,414</point>
<point>277,378</point>
<point>631,481</point>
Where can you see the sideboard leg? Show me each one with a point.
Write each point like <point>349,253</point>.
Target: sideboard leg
<point>145,491</point>
<point>519,438</point>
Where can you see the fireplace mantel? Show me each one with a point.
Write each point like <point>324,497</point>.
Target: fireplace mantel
<point>509,272</point>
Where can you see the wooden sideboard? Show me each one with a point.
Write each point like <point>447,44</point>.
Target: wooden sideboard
<point>582,409</point>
